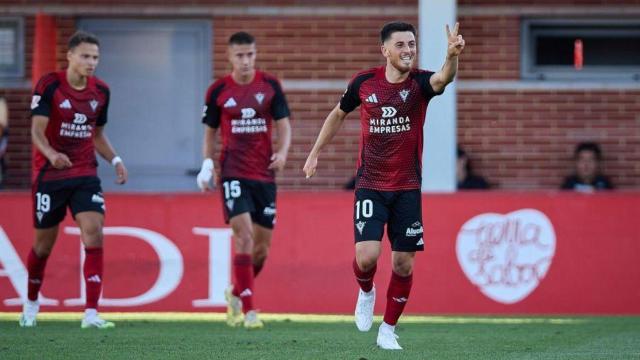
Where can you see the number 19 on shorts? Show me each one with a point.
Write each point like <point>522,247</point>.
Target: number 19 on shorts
<point>43,202</point>
<point>364,208</point>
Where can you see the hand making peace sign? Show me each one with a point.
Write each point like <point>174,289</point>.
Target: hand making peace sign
<point>455,41</point>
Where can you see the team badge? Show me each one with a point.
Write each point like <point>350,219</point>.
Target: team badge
<point>259,97</point>
<point>94,105</point>
<point>404,94</point>
<point>360,226</point>
<point>230,204</point>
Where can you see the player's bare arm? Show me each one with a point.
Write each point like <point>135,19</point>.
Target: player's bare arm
<point>57,159</point>
<point>331,125</point>
<point>455,45</point>
<point>207,176</point>
<point>279,158</point>
<point>105,149</point>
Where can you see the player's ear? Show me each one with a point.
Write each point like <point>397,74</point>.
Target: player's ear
<point>384,51</point>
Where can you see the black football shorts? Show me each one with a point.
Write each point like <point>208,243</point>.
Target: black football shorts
<point>255,197</point>
<point>51,199</point>
<point>400,210</point>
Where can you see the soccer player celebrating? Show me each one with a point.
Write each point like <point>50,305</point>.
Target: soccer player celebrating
<point>68,115</point>
<point>393,101</point>
<point>244,105</point>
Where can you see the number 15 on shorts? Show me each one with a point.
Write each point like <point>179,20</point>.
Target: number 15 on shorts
<point>231,189</point>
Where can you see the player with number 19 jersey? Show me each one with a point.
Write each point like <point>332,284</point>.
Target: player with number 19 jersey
<point>73,116</point>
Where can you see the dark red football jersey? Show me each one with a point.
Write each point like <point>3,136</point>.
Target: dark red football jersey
<point>244,114</point>
<point>73,116</point>
<point>391,117</point>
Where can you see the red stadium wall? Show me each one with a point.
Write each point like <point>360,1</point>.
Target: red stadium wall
<point>499,253</point>
<point>518,139</point>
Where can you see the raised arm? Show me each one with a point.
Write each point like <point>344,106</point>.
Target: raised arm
<point>331,125</point>
<point>455,45</point>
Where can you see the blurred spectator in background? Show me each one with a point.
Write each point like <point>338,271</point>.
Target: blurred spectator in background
<point>464,173</point>
<point>587,176</point>
<point>4,138</point>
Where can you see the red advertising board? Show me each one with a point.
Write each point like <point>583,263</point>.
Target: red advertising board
<point>485,252</point>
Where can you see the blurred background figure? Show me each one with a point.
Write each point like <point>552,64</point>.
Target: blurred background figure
<point>464,173</point>
<point>587,176</point>
<point>4,137</point>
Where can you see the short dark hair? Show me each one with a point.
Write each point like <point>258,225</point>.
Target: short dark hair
<point>395,26</point>
<point>588,146</point>
<point>80,37</point>
<point>241,38</point>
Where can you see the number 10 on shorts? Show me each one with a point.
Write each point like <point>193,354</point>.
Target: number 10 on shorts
<point>366,206</point>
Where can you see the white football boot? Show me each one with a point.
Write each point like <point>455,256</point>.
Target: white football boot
<point>29,312</point>
<point>364,309</point>
<point>92,320</point>
<point>387,339</point>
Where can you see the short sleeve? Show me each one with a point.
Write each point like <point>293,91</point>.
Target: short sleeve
<point>423,78</point>
<point>102,117</point>
<point>211,110</point>
<point>43,95</point>
<point>279,106</point>
<point>351,98</point>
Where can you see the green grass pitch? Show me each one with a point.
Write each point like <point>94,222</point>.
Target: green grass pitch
<point>291,336</point>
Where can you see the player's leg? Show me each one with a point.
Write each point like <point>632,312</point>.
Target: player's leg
<point>36,264</point>
<point>243,236</point>
<point>49,209</point>
<point>261,246</point>
<point>91,224</point>
<point>87,206</point>
<point>370,215</point>
<point>264,217</point>
<point>237,206</point>
<point>405,233</point>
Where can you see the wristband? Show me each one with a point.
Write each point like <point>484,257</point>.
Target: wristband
<point>207,164</point>
<point>116,160</point>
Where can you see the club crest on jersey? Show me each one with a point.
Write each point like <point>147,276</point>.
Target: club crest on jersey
<point>404,94</point>
<point>230,103</point>
<point>360,226</point>
<point>259,97</point>
<point>94,104</point>
<point>66,104</point>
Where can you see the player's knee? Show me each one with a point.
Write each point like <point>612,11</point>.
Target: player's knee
<point>366,261</point>
<point>402,267</point>
<point>244,241</point>
<point>367,258</point>
<point>42,249</point>
<point>92,234</point>
<point>260,253</point>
